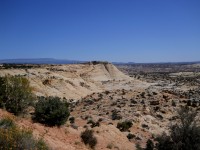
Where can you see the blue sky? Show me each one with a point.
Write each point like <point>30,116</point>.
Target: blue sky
<point>113,30</point>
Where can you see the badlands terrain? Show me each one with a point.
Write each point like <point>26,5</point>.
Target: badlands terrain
<point>101,95</point>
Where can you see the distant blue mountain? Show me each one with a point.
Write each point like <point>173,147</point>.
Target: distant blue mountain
<point>65,61</point>
<point>40,61</point>
<point>123,63</point>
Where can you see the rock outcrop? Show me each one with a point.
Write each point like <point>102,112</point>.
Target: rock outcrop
<point>72,81</point>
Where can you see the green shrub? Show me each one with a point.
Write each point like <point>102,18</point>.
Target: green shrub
<point>15,94</point>
<point>149,145</point>
<point>13,138</point>
<point>173,103</point>
<point>88,138</point>
<point>130,136</point>
<point>116,116</point>
<point>6,123</point>
<point>41,145</point>
<point>164,142</point>
<point>184,135</point>
<point>124,126</point>
<point>51,111</point>
<point>93,124</point>
<point>138,147</point>
<point>72,120</point>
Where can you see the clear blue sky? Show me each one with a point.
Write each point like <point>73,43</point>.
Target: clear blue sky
<point>113,30</point>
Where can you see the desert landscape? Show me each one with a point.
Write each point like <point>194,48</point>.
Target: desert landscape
<point>99,75</point>
<point>102,95</point>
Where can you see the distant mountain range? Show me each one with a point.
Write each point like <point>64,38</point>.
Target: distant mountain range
<point>40,61</point>
<point>48,61</point>
<point>65,61</point>
<point>123,63</point>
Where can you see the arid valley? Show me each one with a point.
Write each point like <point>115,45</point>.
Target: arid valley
<point>101,95</point>
<point>99,75</point>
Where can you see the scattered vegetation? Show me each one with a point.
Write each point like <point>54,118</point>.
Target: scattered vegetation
<point>7,123</point>
<point>124,126</point>
<point>173,103</point>
<point>116,116</point>
<point>93,124</point>
<point>88,138</point>
<point>51,111</point>
<point>184,135</point>
<point>46,82</point>
<point>130,136</point>
<point>149,145</point>
<point>13,138</point>
<point>15,94</point>
<point>19,66</point>
<point>110,146</point>
<point>72,120</point>
<point>138,147</point>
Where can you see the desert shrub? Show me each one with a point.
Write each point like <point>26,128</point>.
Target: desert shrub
<point>116,116</point>
<point>164,142</point>
<point>88,138</point>
<point>189,103</point>
<point>93,124</point>
<point>90,121</point>
<point>72,120</point>
<point>184,135</point>
<point>138,147</point>
<point>100,120</point>
<point>51,111</point>
<point>145,126</point>
<point>107,92</point>
<point>96,124</point>
<point>149,145</point>
<point>15,94</point>
<point>89,102</point>
<point>173,103</point>
<point>47,82</point>
<point>130,136</point>
<point>124,126</point>
<point>6,123</point>
<point>110,146</point>
<point>154,93</point>
<point>41,145</point>
<point>13,138</point>
<point>142,94</point>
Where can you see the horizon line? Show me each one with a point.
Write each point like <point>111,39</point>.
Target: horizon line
<point>57,59</point>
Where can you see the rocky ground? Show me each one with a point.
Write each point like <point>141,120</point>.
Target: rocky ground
<point>101,96</point>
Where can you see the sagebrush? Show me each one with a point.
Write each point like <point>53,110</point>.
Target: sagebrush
<point>15,94</point>
<point>51,111</point>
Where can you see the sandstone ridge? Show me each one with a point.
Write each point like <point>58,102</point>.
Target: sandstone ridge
<point>72,81</point>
